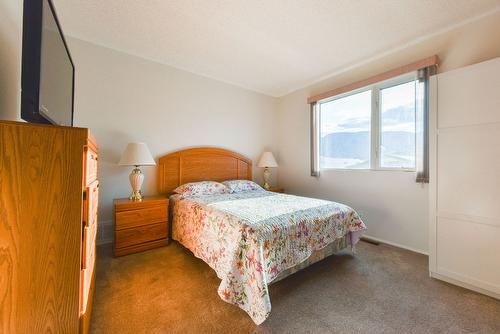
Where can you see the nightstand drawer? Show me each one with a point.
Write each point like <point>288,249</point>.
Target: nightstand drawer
<point>135,218</point>
<point>137,235</point>
<point>140,225</point>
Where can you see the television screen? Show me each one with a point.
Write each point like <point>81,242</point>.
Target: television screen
<point>56,74</point>
<point>47,85</point>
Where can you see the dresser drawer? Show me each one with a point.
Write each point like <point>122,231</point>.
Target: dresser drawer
<point>145,216</point>
<point>137,235</point>
<point>88,246</point>
<point>90,165</point>
<point>86,276</point>
<point>90,204</point>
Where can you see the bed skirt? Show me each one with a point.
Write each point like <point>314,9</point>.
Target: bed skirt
<point>316,256</point>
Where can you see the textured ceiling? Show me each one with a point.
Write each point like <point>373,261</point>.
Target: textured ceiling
<point>270,46</point>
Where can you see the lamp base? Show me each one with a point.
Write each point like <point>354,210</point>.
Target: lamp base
<point>136,178</point>
<point>135,196</point>
<point>267,173</point>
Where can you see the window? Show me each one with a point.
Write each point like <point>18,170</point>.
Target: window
<point>371,128</point>
<point>345,132</point>
<point>397,126</point>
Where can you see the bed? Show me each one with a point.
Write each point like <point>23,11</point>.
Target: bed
<point>250,238</point>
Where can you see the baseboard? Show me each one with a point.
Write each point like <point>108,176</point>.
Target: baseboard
<point>464,285</point>
<point>106,231</point>
<point>382,241</point>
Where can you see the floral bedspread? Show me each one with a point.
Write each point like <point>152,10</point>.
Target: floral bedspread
<point>248,238</point>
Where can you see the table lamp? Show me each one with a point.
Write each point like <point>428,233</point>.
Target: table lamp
<point>267,161</point>
<point>136,154</point>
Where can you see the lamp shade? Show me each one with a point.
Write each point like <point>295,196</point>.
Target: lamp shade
<point>267,160</point>
<point>137,154</point>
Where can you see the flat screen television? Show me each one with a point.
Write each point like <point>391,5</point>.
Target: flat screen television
<point>48,72</point>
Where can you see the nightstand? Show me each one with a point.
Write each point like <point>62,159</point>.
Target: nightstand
<point>140,225</point>
<point>277,190</point>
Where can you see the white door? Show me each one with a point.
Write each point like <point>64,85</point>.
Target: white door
<point>465,177</point>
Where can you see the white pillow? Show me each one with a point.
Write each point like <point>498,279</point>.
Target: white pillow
<point>201,188</point>
<point>236,186</point>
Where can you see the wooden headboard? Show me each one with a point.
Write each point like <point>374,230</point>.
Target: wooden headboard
<point>201,164</point>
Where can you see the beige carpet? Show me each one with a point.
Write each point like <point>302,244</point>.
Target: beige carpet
<point>382,289</point>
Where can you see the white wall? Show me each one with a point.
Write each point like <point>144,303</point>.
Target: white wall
<point>123,98</point>
<point>394,207</point>
<point>11,19</point>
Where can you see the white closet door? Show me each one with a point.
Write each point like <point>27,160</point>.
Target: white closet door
<point>465,177</point>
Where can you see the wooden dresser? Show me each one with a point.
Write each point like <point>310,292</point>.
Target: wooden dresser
<point>140,225</point>
<point>48,226</point>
